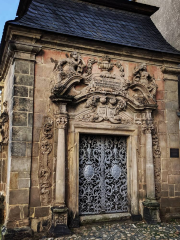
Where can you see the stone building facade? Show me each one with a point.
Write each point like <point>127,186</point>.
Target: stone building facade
<point>90,130</point>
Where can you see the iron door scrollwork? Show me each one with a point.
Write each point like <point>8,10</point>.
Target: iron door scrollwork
<point>102,174</point>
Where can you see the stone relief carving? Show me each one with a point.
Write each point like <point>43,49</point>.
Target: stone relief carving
<point>61,121</point>
<point>90,64</point>
<point>61,219</point>
<point>4,124</point>
<point>44,169</point>
<point>157,163</point>
<point>121,68</point>
<point>155,142</point>
<point>70,66</point>
<point>106,109</point>
<point>106,94</point>
<point>142,76</point>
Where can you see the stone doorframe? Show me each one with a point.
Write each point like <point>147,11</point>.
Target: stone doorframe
<point>132,174</point>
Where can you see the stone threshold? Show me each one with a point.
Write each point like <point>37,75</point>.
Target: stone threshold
<point>104,217</point>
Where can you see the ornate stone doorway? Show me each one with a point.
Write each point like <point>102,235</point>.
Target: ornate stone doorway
<point>102,174</point>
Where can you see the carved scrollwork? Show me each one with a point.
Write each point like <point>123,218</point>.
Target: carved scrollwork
<point>47,130</point>
<point>46,147</point>
<point>155,142</point>
<point>89,67</point>
<point>4,124</point>
<point>121,68</point>
<point>44,169</point>
<point>104,108</point>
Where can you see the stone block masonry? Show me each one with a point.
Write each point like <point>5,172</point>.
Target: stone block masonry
<point>21,143</point>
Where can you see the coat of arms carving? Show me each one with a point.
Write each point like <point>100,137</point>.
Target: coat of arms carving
<point>106,94</point>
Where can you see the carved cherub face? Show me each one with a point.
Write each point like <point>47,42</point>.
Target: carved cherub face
<point>74,55</point>
<point>144,67</point>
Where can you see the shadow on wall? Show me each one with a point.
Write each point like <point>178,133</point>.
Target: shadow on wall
<point>1,209</point>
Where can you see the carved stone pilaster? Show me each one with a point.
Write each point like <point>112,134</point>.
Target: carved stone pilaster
<point>44,169</point>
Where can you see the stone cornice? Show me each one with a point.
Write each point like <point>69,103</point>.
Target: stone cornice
<point>170,70</point>
<point>17,50</point>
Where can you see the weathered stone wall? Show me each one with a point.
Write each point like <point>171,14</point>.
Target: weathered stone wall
<point>7,95</point>
<point>170,200</point>
<point>18,91</point>
<point>167,19</point>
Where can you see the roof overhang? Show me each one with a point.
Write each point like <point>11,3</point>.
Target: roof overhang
<point>126,5</point>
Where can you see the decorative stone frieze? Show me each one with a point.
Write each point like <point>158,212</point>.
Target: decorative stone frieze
<point>44,169</point>
<point>4,124</point>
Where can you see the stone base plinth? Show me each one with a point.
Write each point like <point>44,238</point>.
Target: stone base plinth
<point>136,217</point>
<point>59,222</point>
<point>151,211</point>
<point>16,233</point>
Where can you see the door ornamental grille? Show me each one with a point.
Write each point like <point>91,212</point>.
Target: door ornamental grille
<point>102,174</point>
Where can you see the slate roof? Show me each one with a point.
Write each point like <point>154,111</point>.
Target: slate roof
<point>95,22</point>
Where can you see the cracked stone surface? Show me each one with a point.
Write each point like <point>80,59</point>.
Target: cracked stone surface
<point>131,231</point>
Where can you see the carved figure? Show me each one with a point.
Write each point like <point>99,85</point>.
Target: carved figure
<point>141,76</point>
<point>4,124</point>
<point>70,66</point>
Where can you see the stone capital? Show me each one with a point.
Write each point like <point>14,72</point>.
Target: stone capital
<point>148,128</point>
<point>61,122</point>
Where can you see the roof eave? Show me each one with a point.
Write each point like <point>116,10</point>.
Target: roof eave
<point>23,7</point>
<point>127,6</point>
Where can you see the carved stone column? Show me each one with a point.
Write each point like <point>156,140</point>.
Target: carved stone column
<point>151,206</point>
<point>60,211</point>
<point>61,122</point>
<point>150,183</point>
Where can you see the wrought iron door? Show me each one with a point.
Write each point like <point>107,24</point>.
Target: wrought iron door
<point>102,174</point>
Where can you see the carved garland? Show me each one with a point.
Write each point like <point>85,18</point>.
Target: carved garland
<point>44,169</point>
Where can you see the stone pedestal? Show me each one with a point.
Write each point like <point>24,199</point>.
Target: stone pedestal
<point>151,211</point>
<point>59,222</point>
